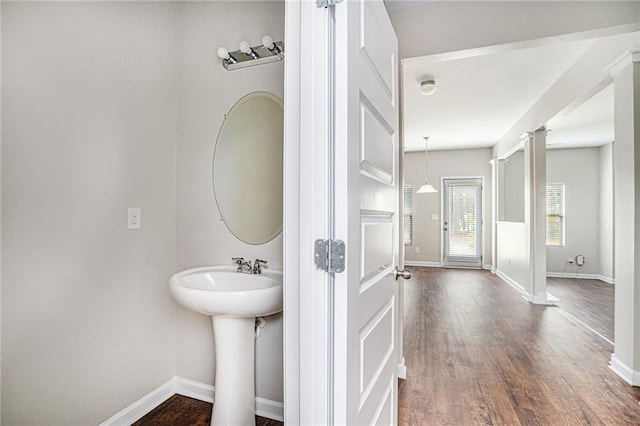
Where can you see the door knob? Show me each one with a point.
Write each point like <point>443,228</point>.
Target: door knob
<point>405,273</point>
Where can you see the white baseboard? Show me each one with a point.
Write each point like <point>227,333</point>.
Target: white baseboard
<point>142,406</point>
<point>488,267</point>
<point>422,263</point>
<point>402,370</point>
<point>607,280</point>
<point>203,392</point>
<point>514,284</point>
<point>629,375</point>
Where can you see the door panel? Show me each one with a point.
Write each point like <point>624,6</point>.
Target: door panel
<point>462,231</point>
<point>366,214</point>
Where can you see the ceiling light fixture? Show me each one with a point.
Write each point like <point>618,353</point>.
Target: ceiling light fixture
<point>428,87</point>
<point>426,188</point>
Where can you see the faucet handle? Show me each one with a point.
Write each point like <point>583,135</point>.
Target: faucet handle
<point>238,260</point>
<point>260,261</point>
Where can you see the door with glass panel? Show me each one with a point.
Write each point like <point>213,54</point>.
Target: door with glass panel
<point>462,222</point>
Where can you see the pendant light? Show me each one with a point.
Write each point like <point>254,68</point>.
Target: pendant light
<point>426,188</point>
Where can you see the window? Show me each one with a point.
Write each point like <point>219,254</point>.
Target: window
<point>555,214</point>
<point>408,215</point>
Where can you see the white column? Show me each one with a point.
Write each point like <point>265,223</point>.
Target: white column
<point>535,217</point>
<point>497,207</point>
<point>625,360</point>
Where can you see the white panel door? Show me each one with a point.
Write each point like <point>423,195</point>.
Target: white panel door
<point>366,214</point>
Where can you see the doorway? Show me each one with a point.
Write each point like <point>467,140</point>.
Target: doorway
<point>462,222</point>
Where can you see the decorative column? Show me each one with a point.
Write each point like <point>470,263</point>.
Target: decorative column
<point>497,207</point>
<point>535,217</point>
<point>625,360</point>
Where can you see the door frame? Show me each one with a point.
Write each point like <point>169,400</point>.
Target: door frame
<point>483,216</point>
<point>306,310</point>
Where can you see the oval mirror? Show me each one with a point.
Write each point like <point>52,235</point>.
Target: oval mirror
<point>247,168</point>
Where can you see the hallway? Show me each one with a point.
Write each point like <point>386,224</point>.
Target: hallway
<point>477,353</point>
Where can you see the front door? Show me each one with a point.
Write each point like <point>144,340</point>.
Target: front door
<point>462,230</point>
<point>367,150</point>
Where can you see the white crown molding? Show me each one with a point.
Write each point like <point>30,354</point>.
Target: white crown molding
<point>622,62</point>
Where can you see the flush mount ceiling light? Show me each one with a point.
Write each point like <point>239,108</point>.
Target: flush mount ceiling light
<point>428,87</point>
<point>426,188</point>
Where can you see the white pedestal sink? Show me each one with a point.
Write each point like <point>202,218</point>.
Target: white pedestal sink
<point>233,300</point>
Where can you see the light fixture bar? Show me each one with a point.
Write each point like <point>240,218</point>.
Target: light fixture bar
<point>264,56</point>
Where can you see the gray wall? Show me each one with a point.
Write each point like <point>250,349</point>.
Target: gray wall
<point>427,232</point>
<point>107,106</point>
<point>207,92</point>
<point>606,225</point>
<point>579,171</point>
<point>512,184</point>
<point>89,113</point>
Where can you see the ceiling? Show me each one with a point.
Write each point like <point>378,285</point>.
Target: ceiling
<point>482,92</point>
<point>480,95</point>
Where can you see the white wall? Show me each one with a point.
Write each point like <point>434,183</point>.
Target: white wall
<point>207,92</point>
<point>512,183</point>
<point>579,170</point>
<point>89,114</point>
<point>427,232</point>
<point>606,224</point>
<point>513,260</point>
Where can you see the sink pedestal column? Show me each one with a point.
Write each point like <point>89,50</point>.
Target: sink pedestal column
<point>234,402</point>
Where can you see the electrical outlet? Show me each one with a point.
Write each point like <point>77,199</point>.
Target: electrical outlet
<point>434,216</point>
<point>417,249</point>
<point>133,221</point>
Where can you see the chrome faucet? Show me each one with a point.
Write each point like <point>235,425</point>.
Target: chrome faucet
<point>258,264</point>
<point>243,265</point>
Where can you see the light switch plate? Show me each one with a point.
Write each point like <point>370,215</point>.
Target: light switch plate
<point>133,221</point>
<point>434,216</point>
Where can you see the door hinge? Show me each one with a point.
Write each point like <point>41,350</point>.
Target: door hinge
<point>329,255</point>
<point>327,3</point>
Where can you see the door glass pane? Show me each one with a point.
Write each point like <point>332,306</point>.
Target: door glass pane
<point>463,220</point>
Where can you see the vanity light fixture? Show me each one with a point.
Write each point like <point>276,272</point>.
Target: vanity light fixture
<point>226,56</point>
<point>246,55</point>
<point>246,48</point>
<point>426,188</point>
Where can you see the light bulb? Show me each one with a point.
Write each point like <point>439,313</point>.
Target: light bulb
<point>245,47</point>
<point>267,42</point>
<point>223,53</point>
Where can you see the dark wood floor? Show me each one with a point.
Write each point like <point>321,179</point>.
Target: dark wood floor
<point>183,411</point>
<point>590,301</point>
<point>477,353</point>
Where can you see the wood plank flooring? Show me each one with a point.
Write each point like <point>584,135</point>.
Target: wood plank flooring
<point>590,301</point>
<point>183,411</point>
<point>478,354</point>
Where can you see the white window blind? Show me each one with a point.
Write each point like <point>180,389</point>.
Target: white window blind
<point>555,214</point>
<point>408,215</point>
<point>464,219</point>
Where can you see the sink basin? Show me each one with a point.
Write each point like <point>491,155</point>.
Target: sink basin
<point>233,300</point>
<point>221,291</point>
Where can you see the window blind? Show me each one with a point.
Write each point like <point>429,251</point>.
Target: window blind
<point>464,219</point>
<point>555,214</point>
<point>408,215</point>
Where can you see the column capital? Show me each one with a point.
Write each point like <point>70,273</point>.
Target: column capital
<point>626,59</point>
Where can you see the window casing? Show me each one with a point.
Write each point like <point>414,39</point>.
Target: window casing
<point>555,214</point>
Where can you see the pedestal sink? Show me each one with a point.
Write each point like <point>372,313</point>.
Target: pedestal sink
<point>233,300</point>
